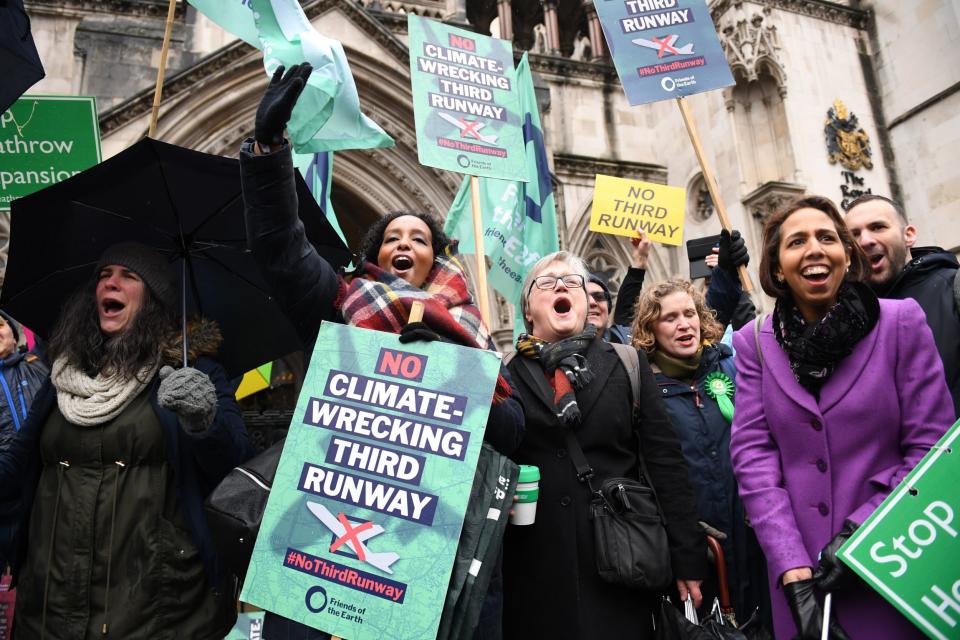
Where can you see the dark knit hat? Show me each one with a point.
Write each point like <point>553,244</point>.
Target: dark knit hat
<point>147,263</point>
<point>600,279</point>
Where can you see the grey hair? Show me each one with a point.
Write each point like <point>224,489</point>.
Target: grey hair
<point>576,264</point>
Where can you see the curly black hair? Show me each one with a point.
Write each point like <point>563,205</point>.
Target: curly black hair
<point>370,245</point>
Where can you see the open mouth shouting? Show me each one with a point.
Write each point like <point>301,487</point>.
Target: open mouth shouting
<point>401,264</point>
<point>111,307</point>
<point>562,306</point>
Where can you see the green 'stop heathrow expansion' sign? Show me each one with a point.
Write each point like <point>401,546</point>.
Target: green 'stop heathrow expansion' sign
<point>361,528</point>
<point>465,102</point>
<point>663,48</point>
<point>909,550</point>
<point>45,140</point>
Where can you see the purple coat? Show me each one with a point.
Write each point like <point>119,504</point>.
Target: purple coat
<point>805,466</point>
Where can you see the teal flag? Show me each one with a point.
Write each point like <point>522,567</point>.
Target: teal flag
<point>360,531</point>
<point>317,172</point>
<point>327,116</point>
<point>519,218</point>
<point>233,16</point>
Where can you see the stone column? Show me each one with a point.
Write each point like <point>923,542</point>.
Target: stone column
<point>505,14</point>
<point>552,24</point>
<point>598,47</point>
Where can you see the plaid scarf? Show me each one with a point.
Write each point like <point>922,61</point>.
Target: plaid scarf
<point>566,368</point>
<point>377,299</point>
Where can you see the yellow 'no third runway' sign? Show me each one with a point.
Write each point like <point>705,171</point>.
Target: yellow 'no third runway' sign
<point>624,207</point>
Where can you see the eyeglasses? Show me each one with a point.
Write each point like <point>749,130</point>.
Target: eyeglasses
<point>599,296</point>
<point>549,283</point>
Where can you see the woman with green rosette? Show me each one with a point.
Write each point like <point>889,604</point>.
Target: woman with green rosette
<point>696,376</point>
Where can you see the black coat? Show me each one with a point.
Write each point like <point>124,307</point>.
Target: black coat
<point>929,279</point>
<point>552,588</point>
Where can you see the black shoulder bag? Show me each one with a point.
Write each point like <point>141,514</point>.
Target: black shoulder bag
<point>629,537</point>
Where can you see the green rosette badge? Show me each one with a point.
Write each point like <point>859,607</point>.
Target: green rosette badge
<point>720,387</point>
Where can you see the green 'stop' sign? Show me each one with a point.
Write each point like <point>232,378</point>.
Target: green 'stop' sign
<point>360,531</point>
<point>45,140</point>
<point>908,550</point>
<point>465,102</point>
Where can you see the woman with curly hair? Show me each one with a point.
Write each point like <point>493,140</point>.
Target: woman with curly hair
<point>696,377</point>
<point>405,258</point>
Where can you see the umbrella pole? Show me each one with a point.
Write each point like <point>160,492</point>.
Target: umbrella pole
<point>183,310</point>
<point>162,70</point>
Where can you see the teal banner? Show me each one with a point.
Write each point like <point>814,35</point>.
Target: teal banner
<point>519,219</point>
<point>908,549</point>
<point>45,140</point>
<point>361,528</point>
<point>663,48</point>
<point>465,101</point>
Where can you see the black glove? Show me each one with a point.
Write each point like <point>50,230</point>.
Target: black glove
<point>807,613</point>
<point>833,573</point>
<point>277,102</point>
<point>733,251</point>
<point>418,331</point>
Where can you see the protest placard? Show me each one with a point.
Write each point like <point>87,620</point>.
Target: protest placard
<point>465,103</point>
<point>663,48</point>
<point>45,140</point>
<point>624,207</point>
<point>908,548</point>
<point>361,528</point>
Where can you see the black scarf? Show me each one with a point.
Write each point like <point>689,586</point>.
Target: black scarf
<point>566,365</point>
<point>816,349</point>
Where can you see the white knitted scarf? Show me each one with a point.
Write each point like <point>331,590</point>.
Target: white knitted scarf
<point>87,401</point>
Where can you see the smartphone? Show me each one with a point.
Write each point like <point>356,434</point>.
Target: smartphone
<point>697,250</point>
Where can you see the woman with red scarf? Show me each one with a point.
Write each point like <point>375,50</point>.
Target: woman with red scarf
<point>405,257</point>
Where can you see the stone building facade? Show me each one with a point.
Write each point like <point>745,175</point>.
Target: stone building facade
<point>893,65</point>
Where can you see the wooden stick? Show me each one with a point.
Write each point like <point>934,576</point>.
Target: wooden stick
<point>416,312</point>
<point>478,250</point>
<point>710,181</point>
<point>162,69</point>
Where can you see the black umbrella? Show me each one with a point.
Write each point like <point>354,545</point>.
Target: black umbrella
<point>186,204</point>
<point>20,65</point>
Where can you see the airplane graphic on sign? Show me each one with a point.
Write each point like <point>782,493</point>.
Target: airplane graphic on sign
<point>354,537</point>
<point>664,46</point>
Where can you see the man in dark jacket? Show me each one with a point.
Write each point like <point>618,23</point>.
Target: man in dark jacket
<point>901,270</point>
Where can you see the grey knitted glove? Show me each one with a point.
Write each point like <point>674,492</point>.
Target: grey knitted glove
<point>190,394</point>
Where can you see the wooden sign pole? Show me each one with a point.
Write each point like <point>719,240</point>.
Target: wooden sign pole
<point>710,181</point>
<point>162,69</point>
<point>482,289</point>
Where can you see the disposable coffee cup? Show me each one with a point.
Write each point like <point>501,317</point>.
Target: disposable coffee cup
<point>528,491</point>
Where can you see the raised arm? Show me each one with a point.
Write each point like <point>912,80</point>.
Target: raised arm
<point>305,284</point>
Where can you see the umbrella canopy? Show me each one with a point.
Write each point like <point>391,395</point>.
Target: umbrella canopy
<point>20,65</point>
<point>186,204</point>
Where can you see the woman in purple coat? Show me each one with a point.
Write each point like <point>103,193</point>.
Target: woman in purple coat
<point>839,395</point>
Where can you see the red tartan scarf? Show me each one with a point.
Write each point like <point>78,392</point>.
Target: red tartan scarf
<point>377,299</point>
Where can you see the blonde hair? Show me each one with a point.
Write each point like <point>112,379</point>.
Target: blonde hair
<point>647,310</point>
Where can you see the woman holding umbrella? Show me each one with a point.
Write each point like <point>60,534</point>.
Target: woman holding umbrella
<point>118,452</point>
<point>405,258</point>
<point>839,395</point>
